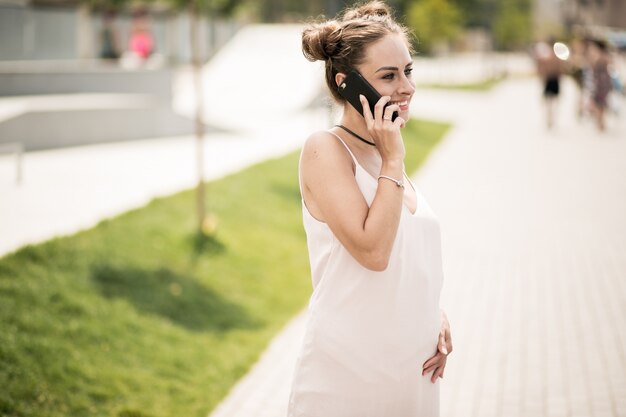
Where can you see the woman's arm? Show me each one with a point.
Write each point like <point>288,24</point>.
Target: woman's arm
<point>366,232</point>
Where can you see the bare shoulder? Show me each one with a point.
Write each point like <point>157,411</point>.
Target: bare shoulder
<point>327,175</point>
<point>323,149</point>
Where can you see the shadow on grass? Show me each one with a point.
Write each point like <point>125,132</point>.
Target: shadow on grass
<point>204,244</point>
<point>177,298</point>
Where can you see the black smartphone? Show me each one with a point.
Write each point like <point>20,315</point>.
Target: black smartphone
<point>353,85</point>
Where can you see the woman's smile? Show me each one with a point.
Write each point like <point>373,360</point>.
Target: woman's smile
<point>403,104</point>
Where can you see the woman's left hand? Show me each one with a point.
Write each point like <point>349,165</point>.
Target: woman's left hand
<point>437,364</point>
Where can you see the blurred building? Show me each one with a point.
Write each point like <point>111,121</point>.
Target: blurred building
<point>55,47</point>
<point>611,13</point>
<point>70,29</point>
<point>556,17</point>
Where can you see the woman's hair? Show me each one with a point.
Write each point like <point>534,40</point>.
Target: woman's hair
<point>341,42</point>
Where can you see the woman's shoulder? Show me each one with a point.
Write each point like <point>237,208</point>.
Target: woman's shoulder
<point>324,144</point>
<point>324,150</point>
<point>321,139</point>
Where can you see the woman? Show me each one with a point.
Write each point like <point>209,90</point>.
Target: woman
<point>376,341</point>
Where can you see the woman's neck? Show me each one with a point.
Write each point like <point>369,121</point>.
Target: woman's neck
<point>356,123</point>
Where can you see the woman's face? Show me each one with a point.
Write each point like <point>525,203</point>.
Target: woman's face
<point>388,66</point>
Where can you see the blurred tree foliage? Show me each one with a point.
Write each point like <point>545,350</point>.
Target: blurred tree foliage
<point>434,21</point>
<point>508,21</point>
<point>512,25</point>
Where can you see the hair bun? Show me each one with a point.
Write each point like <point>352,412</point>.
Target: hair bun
<point>371,9</point>
<point>320,41</point>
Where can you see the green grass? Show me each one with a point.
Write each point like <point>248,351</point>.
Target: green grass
<point>484,85</point>
<point>140,317</point>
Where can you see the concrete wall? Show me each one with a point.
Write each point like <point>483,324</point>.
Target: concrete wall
<point>43,79</point>
<point>29,33</point>
<point>57,129</point>
<point>36,35</point>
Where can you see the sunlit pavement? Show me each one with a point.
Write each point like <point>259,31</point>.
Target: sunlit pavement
<point>534,236</point>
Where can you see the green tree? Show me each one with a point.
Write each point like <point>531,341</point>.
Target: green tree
<point>477,13</point>
<point>434,21</point>
<point>512,26</point>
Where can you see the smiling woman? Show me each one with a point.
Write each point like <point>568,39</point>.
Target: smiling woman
<point>376,342</point>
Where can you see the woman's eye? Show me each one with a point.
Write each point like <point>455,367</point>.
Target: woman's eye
<point>408,71</point>
<point>388,76</point>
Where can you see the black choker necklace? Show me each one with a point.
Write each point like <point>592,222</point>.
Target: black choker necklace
<point>356,136</point>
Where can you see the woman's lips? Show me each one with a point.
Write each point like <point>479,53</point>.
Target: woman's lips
<point>404,104</point>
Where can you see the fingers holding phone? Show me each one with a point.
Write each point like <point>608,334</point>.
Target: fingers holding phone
<point>381,108</point>
<point>384,131</point>
<point>383,112</point>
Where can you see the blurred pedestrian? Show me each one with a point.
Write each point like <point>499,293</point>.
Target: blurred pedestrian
<point>577,67</point>
<point>376,342</point>
<point>549,68</point>
<point>141,42</point>
<point>602,83</point>
<point>109,45</point>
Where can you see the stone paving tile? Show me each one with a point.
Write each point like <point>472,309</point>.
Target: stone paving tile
<point>550,208</point>
<point>534,236</point>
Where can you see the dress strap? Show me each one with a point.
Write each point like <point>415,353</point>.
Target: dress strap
<point>346,146</point>
<point>410,182</point>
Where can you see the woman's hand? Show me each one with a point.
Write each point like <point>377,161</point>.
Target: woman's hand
<point>386,134</point>
<point>437,363</point>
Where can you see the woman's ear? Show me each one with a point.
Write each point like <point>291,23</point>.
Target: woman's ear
<point>339,77</point>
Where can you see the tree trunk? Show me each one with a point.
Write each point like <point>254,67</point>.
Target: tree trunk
<point>84,33</point>
<point>172,46</point>
<point>196,58</point>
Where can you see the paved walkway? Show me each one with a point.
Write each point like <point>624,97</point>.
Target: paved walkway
<point>534,237</point>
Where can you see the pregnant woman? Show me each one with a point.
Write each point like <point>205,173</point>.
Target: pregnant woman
<point>376,342</point>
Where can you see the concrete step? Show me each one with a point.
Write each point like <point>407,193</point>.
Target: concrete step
<point>50,122</point>
<point>36,78</point>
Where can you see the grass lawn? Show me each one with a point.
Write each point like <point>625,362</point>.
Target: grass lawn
<point>139,317</point>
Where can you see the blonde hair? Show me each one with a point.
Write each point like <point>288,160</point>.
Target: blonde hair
<point>341,42</point>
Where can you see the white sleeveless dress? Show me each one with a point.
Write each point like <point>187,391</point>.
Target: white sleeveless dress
<point>369,333</point>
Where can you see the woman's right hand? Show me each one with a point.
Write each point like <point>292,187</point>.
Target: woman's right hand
<point>386,133</point>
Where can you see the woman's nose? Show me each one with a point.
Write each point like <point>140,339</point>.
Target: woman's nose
<point>407,87</point>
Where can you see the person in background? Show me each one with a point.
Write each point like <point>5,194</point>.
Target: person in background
<point>141,42</point>
<point>549,68</point>
<point>108,37</point>
<point>577,67</point>
<point>602,84</point>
